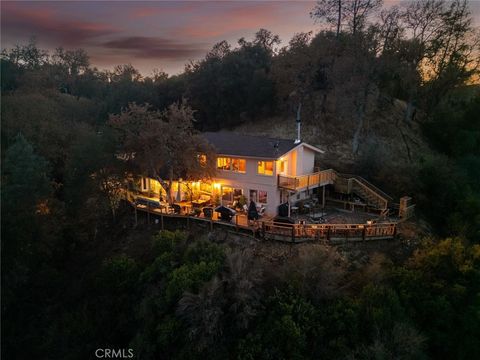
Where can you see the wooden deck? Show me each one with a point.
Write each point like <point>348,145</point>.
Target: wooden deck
<point>266,228</point>
<point>309,181</point>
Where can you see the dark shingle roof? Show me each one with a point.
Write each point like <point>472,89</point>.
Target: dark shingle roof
<point>228,143</point>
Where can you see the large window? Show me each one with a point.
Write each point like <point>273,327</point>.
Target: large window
<point>223,163</point>
<point>258,196</point>
<point>262,197</point>
<point>239,165</point>
<point>265,168</point>
<point>230,194</point>
<point>253,196</point>
<point>231,164</point>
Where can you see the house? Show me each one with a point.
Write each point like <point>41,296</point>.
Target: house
<point>268,171</point>
<point>261,168</point>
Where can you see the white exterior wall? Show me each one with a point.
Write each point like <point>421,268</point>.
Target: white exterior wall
<point>250,180</point>
<point>300,161</point>
<point>308,160</point>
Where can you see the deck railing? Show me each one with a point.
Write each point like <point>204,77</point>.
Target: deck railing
<point>303,232</point>
<point>315,179</point>
<point>366,183</point>
<point>281,231</point>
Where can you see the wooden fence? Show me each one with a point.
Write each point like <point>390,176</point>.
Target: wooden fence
<point>329,232</point>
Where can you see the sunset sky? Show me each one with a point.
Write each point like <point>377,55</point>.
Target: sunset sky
<point>162,35</point>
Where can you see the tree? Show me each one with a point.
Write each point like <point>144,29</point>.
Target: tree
<point>73,62</point>
<point>25,195</point>
<point>350,13</point>
<point>266,39</point>
<point>27,56</point>
<point>441,52</point>
<point>164,145</point>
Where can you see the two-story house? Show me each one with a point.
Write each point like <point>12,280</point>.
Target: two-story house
<point>261,169</point>
<point>266,170</point>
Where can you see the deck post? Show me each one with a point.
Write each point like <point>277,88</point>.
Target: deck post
<point>323,197</point>
<point>136,216</point>
<point>188,222</point>
<point>211,224</point>
<point>363,233</point>
<point>161,220</point>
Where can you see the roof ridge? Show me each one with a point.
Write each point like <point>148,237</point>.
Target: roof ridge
<point>243,134</point>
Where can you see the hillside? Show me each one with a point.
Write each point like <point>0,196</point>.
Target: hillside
<point>389,147</point>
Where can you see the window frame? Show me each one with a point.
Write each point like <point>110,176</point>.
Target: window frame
<point>264,163</point>
<point>229,161</point>
<point>257,192</point>
<point>266,197</point>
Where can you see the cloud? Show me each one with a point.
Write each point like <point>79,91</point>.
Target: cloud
<point>164,8</point>
<point>155,47</point>
<point>228,18</point>
<point>46,23</point>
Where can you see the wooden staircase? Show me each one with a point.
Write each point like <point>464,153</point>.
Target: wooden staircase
<point>372,196</point>
<point>369,193</point>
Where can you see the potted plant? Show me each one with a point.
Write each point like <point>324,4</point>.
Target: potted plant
<point>242,201</point>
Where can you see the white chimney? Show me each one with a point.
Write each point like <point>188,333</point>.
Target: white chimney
<point>299,109</point>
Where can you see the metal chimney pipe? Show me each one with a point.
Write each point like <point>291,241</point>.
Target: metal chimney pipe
<point>299,109</point>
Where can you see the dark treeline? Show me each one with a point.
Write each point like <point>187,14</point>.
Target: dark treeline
<point>65,289</point>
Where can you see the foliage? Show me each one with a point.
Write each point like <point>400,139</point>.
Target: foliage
<point>163,145</point>
<point>72,279</point>
<point>449,194</point>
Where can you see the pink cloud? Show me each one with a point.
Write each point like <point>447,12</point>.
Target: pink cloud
<point>227,18</point>
<point>47,23</point>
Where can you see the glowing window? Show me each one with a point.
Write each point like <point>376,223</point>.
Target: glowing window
<point>231,164</point>
<point>224,163</point>
<point>262,197</point>
<point>265,168</point>
<point>239,165</point>
<point>202,159</point>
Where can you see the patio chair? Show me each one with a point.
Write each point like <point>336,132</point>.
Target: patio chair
<point>261,212</point>
<point>208,212</point>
